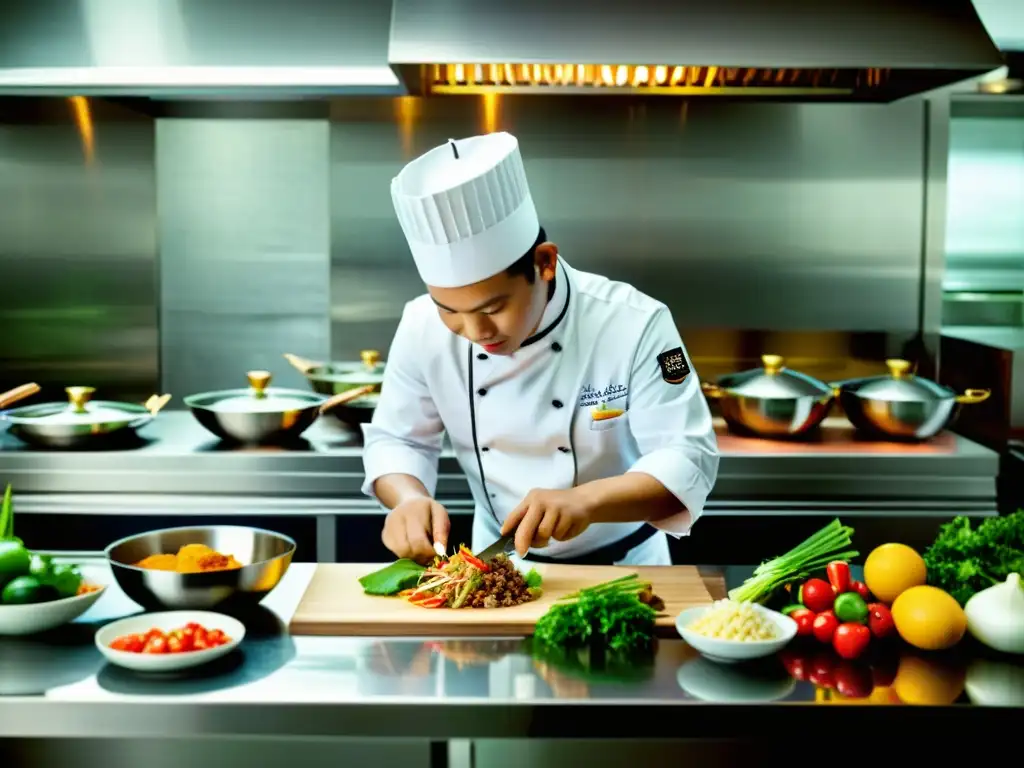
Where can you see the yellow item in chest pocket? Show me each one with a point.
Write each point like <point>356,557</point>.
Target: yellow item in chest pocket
<point>603,412</point>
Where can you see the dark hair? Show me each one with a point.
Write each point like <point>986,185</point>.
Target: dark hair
<point>525,265</point>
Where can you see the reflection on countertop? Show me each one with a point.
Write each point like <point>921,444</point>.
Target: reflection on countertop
<point>419,679</point>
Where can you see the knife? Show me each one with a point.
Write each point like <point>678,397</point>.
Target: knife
<point>504,545</point>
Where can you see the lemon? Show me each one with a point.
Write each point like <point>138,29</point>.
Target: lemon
<point>891,569</point>
<point>929,618</point>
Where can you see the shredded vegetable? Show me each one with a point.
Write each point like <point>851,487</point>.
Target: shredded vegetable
<point>465,581</point>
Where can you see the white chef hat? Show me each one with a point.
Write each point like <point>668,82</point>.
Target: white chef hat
<point>466,210</point>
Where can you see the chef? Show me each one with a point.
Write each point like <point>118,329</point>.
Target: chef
<point>569,399</point>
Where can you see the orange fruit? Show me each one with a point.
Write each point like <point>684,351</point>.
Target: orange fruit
<point>892,569</point>
<point>929,618</point>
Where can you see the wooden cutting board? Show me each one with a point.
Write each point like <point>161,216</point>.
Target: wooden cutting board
<point>334,603</point>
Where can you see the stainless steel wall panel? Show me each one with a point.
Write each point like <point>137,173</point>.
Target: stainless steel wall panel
<point>781,216</point>
<point>985,223</point>
<point>244,271</point>
<point>77,247</point>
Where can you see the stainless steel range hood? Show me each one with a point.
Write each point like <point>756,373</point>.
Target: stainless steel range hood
<point>195,47</point>
<point>842,50</point>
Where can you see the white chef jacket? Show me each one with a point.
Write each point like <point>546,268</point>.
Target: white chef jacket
<point>524,421</point>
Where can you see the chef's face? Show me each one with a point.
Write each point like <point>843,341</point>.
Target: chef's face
<point>501,312</point>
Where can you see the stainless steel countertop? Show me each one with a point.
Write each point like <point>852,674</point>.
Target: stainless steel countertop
<point>277,685</point>
<point>325,471</point>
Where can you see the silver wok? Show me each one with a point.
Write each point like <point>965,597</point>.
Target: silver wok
<point>771,401</point>
<point>901,405</point>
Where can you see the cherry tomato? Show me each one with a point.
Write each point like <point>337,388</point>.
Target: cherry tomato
<point>851,639</point>
<point>804,618</point>
<point>880,620</point>
<point>861,589</point>
<point>216,637</point>
<point>824,626</point>
<point>817,595</point>
<point>156,644</point>
<point>174,644</point>
<point>854,680</point>
<point>129,643</point>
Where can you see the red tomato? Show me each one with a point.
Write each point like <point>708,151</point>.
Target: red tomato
<point>854,680</point>
<point>861,589</point>
<point>851,639</point>
<point>804,619</point>
<point>174,644</point>
<point>880,620</point>
<point>129,643</point>
<point>824,626</point>
<point>818,595</point>
<point>156,644</point>
<point>216,637</point>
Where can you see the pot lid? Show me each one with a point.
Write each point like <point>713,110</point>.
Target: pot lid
<point>900,385</point>
<point>773,381</point>
<point>80,409</point>
<point>259,397</point>
<point>369,370</point>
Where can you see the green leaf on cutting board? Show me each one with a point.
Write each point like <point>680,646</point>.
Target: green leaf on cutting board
<point>533,579</point>
<point>392,579</point>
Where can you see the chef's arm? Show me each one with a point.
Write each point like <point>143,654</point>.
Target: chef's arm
<point>670,420</point>
<point>402,444</point>
<point>632,497</point>
<point>391,490</point>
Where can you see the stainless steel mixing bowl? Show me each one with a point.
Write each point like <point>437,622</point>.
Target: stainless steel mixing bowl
<point>265,556</point>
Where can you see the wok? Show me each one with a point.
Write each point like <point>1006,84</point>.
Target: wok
<point>338,377</point>
<point>901,405</point>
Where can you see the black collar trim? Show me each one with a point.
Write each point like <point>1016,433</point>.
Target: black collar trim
<point>565,308</point>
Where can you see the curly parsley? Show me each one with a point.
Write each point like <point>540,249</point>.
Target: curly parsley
<point>610,615</point>
<point>963,561</point>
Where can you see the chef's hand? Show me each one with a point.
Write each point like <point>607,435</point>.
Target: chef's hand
<point>545,515</point>
<point>413,527</point>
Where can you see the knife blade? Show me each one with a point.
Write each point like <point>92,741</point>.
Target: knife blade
<point>506,544</point>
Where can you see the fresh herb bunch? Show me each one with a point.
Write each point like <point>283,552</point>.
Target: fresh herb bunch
<point>813,554</point>
<point>609,614</point>
<point>963,562</point>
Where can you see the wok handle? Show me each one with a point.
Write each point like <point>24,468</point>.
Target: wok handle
<point>345,397</point>
<point>974,396</point>
<point>11,396</point>
<point>301,364</point>
<point>711,390</point>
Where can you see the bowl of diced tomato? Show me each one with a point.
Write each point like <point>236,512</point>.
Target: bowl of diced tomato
<point>169,641</point>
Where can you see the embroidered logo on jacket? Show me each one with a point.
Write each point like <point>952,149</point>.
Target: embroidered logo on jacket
<point>674,368</point>
<point>589,396</point>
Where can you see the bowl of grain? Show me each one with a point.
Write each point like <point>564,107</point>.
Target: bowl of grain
<point>728,631</point>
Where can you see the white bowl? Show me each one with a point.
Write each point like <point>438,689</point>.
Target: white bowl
<point>40,617</point>
<point>731,651</point>
<point>167,621</point>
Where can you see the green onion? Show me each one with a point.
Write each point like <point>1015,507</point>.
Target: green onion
<point>830,543</point>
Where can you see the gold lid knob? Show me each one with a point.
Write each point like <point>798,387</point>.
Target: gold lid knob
<point>898,369</point>
<point>78,397</point>
<point>259,381</point>
<point>772,364</point>
<point>370,357</point>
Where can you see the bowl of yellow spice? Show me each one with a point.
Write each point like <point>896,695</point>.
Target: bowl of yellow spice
<point>728,631</point>
<point>213,567</point>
